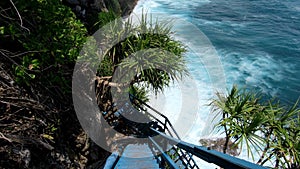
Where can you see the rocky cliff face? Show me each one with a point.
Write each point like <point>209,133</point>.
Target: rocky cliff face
<point>127,6</point>
<point>218,145</point>
<point>83,8</point>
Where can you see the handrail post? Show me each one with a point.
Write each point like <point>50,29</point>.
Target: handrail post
<point>165,158</point>
<point>165,125</point>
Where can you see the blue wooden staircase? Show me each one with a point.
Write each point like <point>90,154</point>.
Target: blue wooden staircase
<point>165,149</point>
<point>137,155</point>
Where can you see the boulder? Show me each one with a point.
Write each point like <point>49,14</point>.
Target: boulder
<point>218,145</point>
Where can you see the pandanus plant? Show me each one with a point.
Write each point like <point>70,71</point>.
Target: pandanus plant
<point>261,126</point>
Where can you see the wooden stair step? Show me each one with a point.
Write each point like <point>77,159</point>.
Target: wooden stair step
<point>137,156</point>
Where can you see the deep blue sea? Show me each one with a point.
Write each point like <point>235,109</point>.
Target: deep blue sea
<point>257,41</point>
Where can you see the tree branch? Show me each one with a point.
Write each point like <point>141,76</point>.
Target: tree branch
<point>21,21</point>
<point>5,138</point>
<point>12,55</point>
<point>106,81</point>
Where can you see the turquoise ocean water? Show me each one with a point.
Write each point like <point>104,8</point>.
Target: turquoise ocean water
<point>258,42</point>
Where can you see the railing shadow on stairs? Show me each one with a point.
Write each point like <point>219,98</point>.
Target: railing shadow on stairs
<point>171,152</point>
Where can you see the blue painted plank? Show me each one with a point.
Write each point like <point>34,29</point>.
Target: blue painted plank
<point>137,156</point>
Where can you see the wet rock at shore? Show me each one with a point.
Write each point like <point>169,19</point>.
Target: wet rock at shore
<point>218,145</point>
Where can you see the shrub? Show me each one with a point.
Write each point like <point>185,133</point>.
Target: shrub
<point>147,48</point>
<point>50,38</point>
<point>267,127</point>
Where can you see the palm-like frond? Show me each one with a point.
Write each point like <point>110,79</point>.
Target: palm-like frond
<point>148,55</point>
<point>270,129</point>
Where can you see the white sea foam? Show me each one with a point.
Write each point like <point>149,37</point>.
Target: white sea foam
<point>256,69</point>
<point>186,105</point>
<point>231,24</point>
<point>158,5</point>
<point>145,5</point>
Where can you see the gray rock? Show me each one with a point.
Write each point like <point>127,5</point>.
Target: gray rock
<point>99,5</point>
<point>73,2</point>
<point>218,144</point>
<point>78,8</point>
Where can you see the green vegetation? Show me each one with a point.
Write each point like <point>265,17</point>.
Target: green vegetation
<point>40,42</point>
<point>49,38</point>
<point>269,128</point>
<point>144,57</point>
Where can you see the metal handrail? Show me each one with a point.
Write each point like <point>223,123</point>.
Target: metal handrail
<point>167,122</point>
<point>211,156</point>
<point>165,156</point>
